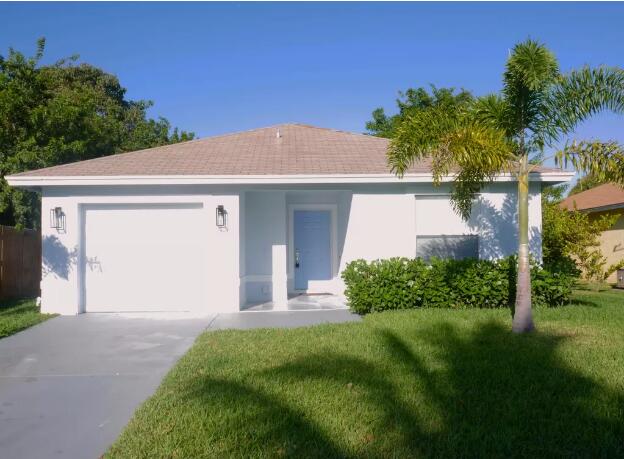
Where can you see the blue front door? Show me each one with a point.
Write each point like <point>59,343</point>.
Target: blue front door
<point>312,247</point>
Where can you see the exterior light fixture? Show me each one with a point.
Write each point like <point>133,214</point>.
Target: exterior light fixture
<point>57,219</point>
<point>221,217</point>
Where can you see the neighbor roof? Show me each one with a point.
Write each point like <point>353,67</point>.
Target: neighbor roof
<point>608,195</point>
<point>282,150</point>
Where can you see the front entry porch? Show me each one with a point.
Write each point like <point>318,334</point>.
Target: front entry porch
<point>291,248</point>
<point>303,302</point>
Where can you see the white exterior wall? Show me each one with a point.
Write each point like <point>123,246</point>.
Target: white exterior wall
<point>382,221</point>
<point>269,239</point>
<point>252,261</point>
<point>392,221</point>
<point>265,246</point>
<point>61,285</point>
<point>242,250</point>
<point>381,225</point>
<point>60,292</point>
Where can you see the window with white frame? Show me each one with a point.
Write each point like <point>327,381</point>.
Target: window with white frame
<point>456,246</point>
<point>441,232</point>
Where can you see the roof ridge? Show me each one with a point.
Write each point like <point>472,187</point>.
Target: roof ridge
<point>304,149</point>
<point>342,131</point>
<point>143,150</point>
<point>210,138</point>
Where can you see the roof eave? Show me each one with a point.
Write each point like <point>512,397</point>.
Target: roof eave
<point>604,208</point>
<point>26,181</point>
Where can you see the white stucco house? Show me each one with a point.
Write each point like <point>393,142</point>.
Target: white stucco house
<point>221,223</point>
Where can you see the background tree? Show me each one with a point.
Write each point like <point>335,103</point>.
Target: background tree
<point>500,133</point>
<point>414,100</point>
<point>571,240</point>
<point>55,114</point>
<point>585,183</point>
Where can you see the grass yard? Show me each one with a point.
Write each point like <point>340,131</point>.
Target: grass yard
<point>417,383</point>
<point>16,315</point>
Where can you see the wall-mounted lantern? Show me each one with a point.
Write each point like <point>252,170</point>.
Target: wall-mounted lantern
<point>57,219</point>
<point>221,217</point>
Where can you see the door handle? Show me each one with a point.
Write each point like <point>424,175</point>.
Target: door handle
<point>296,258</point>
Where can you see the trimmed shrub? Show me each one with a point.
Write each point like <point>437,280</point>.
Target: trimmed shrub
<point>551,284</point>
<point>402,283</point>
<point>551,288</point>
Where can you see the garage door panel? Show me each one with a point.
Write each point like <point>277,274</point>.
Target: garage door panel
<point>145,258</point>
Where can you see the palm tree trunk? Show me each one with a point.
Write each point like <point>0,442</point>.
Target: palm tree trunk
<point>522,319</point>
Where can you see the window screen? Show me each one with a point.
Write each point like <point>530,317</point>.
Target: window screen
<point>447,246</point>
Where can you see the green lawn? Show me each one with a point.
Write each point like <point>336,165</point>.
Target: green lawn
<point>16,315</point>
<point>400,384</point>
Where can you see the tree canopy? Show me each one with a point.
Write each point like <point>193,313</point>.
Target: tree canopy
<point>65,112</point>
<point>538,107</point>
<point>571,240</point>
<point>587,182</point>
<point>415,100</point>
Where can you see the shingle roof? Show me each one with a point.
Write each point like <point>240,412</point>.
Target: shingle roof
<point>605,195</point>
<point>298,150</point>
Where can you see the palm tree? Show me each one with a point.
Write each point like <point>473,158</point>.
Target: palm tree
<point>509,132</point>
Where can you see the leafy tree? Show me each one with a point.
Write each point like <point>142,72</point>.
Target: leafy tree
<point>585,183</point>
<point>556,225</point>
<point>500,133</point>
<point>414,100</point>
<point>54,114</point>
<point>572,239</point>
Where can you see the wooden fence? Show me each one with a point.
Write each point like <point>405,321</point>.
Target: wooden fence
<point>20,263</point>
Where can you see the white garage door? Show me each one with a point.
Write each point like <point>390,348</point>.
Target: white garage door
<point>144,258</point>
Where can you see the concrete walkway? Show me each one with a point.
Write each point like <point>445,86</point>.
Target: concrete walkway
<point>282,319</point>
<point>68,386</point>
<point>303,302</point>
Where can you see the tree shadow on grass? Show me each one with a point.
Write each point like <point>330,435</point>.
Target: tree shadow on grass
<point>433,392</point>
<point>497,395</point>
<point>256,424</point>
<point>506,395</point>
<point>582,302</point>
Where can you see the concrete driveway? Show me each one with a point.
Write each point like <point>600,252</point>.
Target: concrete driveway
<point>68,386</point>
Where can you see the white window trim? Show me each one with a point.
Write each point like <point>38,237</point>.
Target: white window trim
<point>447,195</point>
<point>473,235</point>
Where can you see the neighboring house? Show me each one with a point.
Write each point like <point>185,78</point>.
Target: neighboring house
<point>605,199</point>
<point>216,224</point>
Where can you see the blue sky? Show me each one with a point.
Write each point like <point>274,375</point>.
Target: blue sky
<point>215,68</point>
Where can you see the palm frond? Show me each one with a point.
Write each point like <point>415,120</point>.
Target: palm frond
<point>468,182</point>
<point>418,137</point>
<point>531,65</point>
<point>529,72</point>
<point>602,160</point>
<point>577,96</point>
<point>457,144</point>
<point>494,111</point>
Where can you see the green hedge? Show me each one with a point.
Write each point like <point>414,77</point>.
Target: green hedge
<point>401,283</point>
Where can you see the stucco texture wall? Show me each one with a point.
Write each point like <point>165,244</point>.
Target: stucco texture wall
<point>612,240</point>
<point>62,288</point>
<point>251,260</point>
<point>381,221</point>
